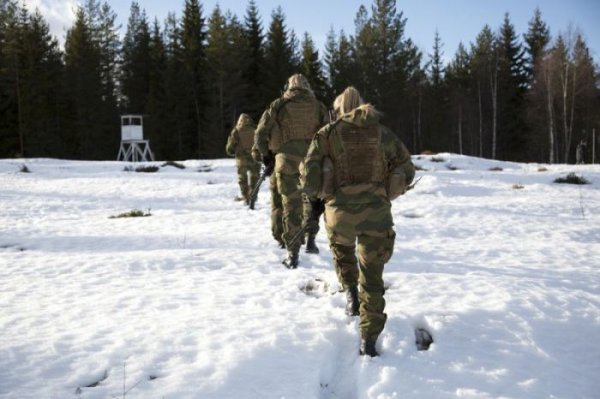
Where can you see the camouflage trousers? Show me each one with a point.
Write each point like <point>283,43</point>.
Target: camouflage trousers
<point>276,210</point>
<point>367,230</point>
<point>296,207</point>
<point>248,171</point>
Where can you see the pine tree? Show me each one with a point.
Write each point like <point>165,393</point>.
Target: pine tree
<point>135,71</point>
<point>193,58</point>
<point>437,127</point>
<point>537,39</point>
<point>84,88</point>
<point>436,66</point>
<point>156,121</point>
<point>226,54</point>
<point>457,80</point>
<point>11,32</point>
<point>180,127</point>
<point>483,70</point>
<point>255,99</point>
<point>513,132</point>
<point>41,94</point>
<point>311,68</point>
<point>339,59</point>
<point>279,55</point>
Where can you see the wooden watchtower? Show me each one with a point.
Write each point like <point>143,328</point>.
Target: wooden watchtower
<point>133,146</point>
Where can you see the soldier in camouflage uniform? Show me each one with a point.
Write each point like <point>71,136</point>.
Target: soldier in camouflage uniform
<point>239,144</point>
<point>357,166</point>
<point>282,138</point>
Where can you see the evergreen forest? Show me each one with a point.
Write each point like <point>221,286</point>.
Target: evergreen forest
<point>527,97</point>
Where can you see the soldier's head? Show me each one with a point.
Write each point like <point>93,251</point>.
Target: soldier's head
<point>347,101</point>
<point>244,120</point>
<point>298,82</point>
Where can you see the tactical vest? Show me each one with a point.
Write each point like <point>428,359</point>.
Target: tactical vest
<point>299,120</point>
<point>246,134</point>
<point>361,159</point>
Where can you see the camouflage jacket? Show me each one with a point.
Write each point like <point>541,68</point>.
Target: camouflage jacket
<point>393,153</point>
<point>240,141</point>
<point>270,123</point>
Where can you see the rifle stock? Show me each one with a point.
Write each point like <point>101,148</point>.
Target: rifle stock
<point>254,195</point>
<point>311,221</point>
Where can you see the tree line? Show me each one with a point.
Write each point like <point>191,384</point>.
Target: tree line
<point>503,96</point>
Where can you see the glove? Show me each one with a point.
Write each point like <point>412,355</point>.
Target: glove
<point>317,207</point>
<point>269,162</point>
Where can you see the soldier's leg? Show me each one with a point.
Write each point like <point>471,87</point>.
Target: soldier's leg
<point>311,232</point>
<point>342,237</point>
<point>242,170</point>
<point>288,180</point>
<point>375,248</point>
<point>291,199</point>
<point>276,211</point>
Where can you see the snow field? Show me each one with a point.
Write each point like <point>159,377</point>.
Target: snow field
<point>192,302</point>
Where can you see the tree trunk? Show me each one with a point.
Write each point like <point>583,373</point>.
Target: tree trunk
<point>420,138</point>
<point>565,91</point>
<point>19,113</point>
<point>494,88</point>
<point>460,144</point>
<point>550,117</point>
<point>570,132</point>
<point>480,118</point>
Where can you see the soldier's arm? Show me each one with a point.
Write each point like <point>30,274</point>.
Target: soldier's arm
<point>312,174</point>
<point>232,142</point>
<point>398,155</point>
<point>263,132</point>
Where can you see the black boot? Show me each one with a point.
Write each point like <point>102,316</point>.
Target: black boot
<point>311,247</point>
<point>352,302</point>
<point>292,261</point>
<point>367,347</point>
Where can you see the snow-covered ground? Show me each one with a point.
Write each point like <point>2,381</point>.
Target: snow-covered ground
<point>192,301</point>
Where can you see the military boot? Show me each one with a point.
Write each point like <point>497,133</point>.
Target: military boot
<point>352,302</point>
<point>311,247</point>
<point>292,260</point>
<point>367,346</point>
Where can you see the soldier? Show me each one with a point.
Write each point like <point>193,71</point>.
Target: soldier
<point>239,144</point>
<point>282,138</point>
<point>357,166</point>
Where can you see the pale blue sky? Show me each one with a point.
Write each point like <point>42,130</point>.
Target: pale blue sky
<point>456,20</point>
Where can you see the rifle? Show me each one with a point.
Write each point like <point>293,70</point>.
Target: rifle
<point>254,194</point>
<point>313,219</point>
<point>414,183</point>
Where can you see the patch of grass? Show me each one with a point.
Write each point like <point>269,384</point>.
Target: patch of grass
<point>135,213</point>
<point>144,169</point>
<point>173,163</point>
<point>572,178</point>
<point>24,169</point>
<point>147,169</point>
<point>518,186</point>
<point>542,169</point>
<point>438,159</point>
<point>496,169</point>
<point>205,168</point>
<point>419,167</point>
<point>451,167</point>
